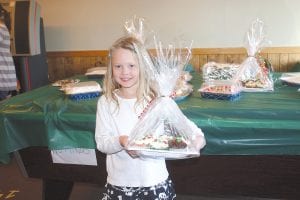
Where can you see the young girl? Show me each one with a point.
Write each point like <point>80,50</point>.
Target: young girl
<point>127,90</point>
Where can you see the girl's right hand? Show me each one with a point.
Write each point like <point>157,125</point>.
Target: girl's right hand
<point>123,139</point>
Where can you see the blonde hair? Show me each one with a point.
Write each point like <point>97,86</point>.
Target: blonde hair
<point>146,90</point>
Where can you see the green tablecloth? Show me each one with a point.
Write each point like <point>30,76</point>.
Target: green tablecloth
<point>256,124</point>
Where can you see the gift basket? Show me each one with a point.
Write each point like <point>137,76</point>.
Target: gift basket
<point>163,131</point>
<point>255,72</point>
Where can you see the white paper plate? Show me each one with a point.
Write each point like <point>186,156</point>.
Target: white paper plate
<point>293,80</point>
<point>167,154</point>
<point>291,74</point>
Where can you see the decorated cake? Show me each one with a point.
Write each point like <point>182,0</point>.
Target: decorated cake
<point>162,142</point>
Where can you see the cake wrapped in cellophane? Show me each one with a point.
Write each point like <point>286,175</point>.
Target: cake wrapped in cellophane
<point>82,90</point>
<point>163,131</point>
<point>255,72</point>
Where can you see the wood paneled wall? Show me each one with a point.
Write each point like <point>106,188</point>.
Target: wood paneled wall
<point>69,63</point>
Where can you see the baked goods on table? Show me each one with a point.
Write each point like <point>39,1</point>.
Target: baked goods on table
<point>256,75</point>
<point>183,88</point>
<point>255,71</point>
<point>253,83</point>
<point>82,87</point>
<point>219,71</point>
<point>222,90</point>
<point>185,76</point>
<point>96,72</point>
<point>63,82</point>
<point>82,90</point>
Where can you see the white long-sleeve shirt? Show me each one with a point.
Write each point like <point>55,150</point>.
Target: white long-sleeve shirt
<point>122,169</point>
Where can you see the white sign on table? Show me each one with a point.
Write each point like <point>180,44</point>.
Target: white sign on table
<point>77,156</point>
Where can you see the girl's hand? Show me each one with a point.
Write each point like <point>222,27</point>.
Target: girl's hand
<point>123,139</point>
<point>132,153</point>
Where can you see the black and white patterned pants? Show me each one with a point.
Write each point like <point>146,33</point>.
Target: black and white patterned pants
<point>161,191</point>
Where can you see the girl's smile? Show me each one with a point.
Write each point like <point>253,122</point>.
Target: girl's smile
<point>125,68</point>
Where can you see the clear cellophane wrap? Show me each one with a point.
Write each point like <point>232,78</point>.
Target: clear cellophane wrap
<point>255,74</point>
<point>213,71</point>
<point>183,87</point>
<point>219,81</point>
<point>163,131</point>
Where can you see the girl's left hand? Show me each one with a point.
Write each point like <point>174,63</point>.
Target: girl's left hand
<point>132,153</point>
